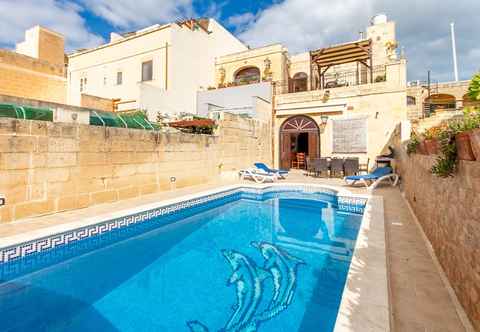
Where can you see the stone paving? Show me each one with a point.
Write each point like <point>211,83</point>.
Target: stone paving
<point>419,298</point>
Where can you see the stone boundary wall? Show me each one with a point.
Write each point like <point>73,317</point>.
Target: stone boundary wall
<point>50,167</point>
<point>449,213</point>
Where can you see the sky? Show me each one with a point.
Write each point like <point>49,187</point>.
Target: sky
<point>423,26</point>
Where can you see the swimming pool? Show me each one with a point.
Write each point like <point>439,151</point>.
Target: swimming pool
<point>272,259</point>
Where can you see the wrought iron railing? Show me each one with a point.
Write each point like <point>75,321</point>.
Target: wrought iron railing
<point>331,80</point>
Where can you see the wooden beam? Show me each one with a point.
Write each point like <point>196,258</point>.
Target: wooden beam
<point>339,62</point>
<point>335,57</point>
<point>365,44</point>
<point>356,50</point>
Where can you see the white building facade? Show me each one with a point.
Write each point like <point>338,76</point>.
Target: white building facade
<point>158,69</point>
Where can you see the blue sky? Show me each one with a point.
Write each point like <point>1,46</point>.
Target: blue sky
<point>422,26</point>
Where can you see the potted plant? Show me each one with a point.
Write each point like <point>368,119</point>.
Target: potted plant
<point>463,128</point>
<point>432,145</point>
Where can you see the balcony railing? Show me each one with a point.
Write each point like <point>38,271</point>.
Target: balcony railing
<point>331,80</point>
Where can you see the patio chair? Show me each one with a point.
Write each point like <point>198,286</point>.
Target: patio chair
<point>351,166</point>
<point>373,179</point>
<point>281,173</point>
<point>300,161</point>
<point>257,175</point>
<point>321,166</point>
<point>310,166</point>
<point>336,167</point>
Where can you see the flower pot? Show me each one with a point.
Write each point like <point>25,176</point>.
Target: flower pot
<point>422,149</point>
<point>464,149</point>
<point>432,146</point>
<point>475,143</point>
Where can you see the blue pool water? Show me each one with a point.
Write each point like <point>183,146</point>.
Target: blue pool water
<point>269,265</point>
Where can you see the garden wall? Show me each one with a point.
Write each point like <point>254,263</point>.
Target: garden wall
<point>449,213</point>
<point>49,167</point>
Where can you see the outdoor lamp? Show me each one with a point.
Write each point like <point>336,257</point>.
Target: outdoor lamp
<point>324,119</point>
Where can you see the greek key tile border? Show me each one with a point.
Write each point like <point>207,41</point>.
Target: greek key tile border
<point>8,254</point>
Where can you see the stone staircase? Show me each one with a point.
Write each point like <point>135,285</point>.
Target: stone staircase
<point>436,119</point>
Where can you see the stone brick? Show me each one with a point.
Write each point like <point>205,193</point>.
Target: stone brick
<point>129,192</point>
<point>83,200</point>
<point>104,197</point>
<point>18,144</point>
<point>41,175</point>
<point>124,170</point>
<point>148,189</point>
<point>67,203</point>
<point>6,213</point>
<point>59,159</point>
<point>33,208</point>
<point>20,160</point>
<point>92,158</point>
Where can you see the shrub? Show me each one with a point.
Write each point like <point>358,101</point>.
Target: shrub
<point>413,144</point>
<point>474,88</point>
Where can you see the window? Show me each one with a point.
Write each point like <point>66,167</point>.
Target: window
<point>83,84</point>
<point>299,82</point>
<point>104,80</point>
<point>411,100</point>
<point>119,78</point>
<point>147,71</point>
<point>248,75</point>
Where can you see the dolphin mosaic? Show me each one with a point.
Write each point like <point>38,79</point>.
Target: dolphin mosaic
<point>249,279</point>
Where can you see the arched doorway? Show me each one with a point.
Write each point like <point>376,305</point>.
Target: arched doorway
<point>441,102</point>
<point>247,75</point>
<point>298,134</point>
<point>299,82</point>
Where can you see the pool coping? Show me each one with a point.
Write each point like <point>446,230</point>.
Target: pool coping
<point>372,314</point>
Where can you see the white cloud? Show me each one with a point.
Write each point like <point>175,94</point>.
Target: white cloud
<point>241,22</point>
<point>422,28</point>
<point>60,16</point>
<point>131,14</point>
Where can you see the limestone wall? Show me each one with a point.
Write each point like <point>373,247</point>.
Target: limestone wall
<point>449,213</point>
<point>97,103</point>
<point>26,77</point>
<point>48,167</point>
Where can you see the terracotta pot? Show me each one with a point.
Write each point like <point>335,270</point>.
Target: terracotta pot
<point>432,146</point>
<point>464,149</point>
<point>422,149</point>
<point>475,143</point>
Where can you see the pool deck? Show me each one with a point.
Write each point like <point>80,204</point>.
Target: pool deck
<point>420,298</point>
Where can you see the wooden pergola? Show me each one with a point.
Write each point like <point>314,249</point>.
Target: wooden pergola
<point>359,52</point>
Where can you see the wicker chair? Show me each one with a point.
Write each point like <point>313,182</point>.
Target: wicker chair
<point>351,166</point>
<point>300,161</point>
<point>336,167</point>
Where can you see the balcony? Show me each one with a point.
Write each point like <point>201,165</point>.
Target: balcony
<point>335,79</point>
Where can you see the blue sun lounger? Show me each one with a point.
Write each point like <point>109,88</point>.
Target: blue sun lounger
<point>280,172</point>
<point>372,179</point>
